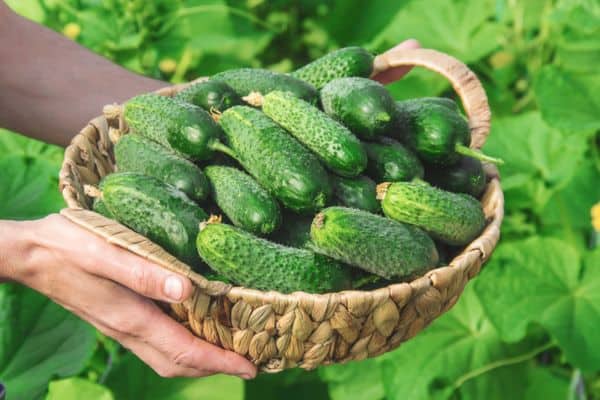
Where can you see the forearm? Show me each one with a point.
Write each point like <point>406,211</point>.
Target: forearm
<point>15,246</point>
<point>51,86</point>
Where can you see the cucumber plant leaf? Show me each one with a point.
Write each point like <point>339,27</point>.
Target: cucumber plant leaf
<point>76,389</point>
<point>360,380</point>
<point>132,379</point>
<point>459,354</point>
<point>545,281</point>
<point>38,341</point>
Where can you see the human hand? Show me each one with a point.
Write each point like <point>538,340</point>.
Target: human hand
<point>111,289</point>
<point>394,74</point>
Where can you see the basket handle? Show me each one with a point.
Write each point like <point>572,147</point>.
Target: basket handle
<point>463,80</point>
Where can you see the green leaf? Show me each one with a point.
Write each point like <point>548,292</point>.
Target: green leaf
<point>459,353</point>
<point>38,341</point>
<point>29,188</point>
<point>462,28</point>
<point>538,160</point>
<point>418,83</point>
<point>358,380</point>
<point>12,144</point>
<point>297,384</point>
<point>77,388</point>
<point>29,9</point>
<point>132,379</point>
<point>544,384</point>
<point>544,281</point>
<point>565,102</point>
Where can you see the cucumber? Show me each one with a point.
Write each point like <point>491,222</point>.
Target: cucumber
<point>334,144</point>
<point>390,161</point>
<point>135,153</point>
<point>294,231</point>
<point>155,210</point>
<point>356,192</point>
<point>243,200</point>
<point>341,63</point>
<point>467,176</point>
<point>362,105</point>
<point>371,242</point>
<point>100,207</point>
<point>441,101</point>
<point>247,80</point>
<point>288,170</point>
<point>210,95</point>
<point>260,264</point>
<point>452,218</point>
<point>185,128</point>
<point>437,133</point>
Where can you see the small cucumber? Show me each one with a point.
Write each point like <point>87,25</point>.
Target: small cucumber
<point>135,153</point>
<point>467,176</point>
<point>371,242</point>
<point>182,127</point>
<point>341,63</point>
<point>334,144</point>
<point>288,170</point>
<point>356,192</point>
<point>156,210</point>
<point>437,133</point>
<point>362,105</point>
<point>210,95</point>
<point>243,200</point>
<point>452,218</point>
<point>260,264</point>
<point>247,80</point>
<point>390,161</point>
<point>100,207</point>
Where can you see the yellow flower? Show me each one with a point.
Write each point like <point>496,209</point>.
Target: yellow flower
<point>167,65</point>
<point>72,30</point>
<point>595,212</point>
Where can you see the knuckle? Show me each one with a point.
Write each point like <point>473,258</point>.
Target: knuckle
<point>165,371</point>
<point>182,358</point>
<point>141,279</point>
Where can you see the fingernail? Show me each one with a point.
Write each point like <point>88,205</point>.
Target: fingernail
<point>173,288</point>
<point>246,376</point>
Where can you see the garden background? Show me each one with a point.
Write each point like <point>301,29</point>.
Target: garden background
<point>527,327</point>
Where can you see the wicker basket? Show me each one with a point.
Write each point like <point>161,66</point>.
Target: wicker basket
<point>278,331</point>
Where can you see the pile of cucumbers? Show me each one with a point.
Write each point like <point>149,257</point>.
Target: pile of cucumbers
<point>314,181</point>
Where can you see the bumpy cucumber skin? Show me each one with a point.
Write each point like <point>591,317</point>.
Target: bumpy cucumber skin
<point>362,105</point>
<point>156,210</point>
<point>452,218</point>
<point>243,200</point>
<point>440,101</point>
<point>247,80</point>
<point>288,170</point>
<point>372,242</point>
<point>333,143</point>
<point>135,153</point>
<point>432,130</point>
<point>210,95</point>
<point>182,127</point>
<point>100,207</point>
<point>260,264</point>
<point>341,63</point>
<point>467,176</point>
<point>389,161</point>
<point>356,192</point>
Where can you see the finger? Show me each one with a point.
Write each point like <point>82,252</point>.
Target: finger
<point>103,259</point>
<point>393,74</point>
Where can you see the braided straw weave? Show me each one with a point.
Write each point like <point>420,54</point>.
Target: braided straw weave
<point>278,331</point>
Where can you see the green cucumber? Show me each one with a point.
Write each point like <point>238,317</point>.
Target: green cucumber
<point>135,153</point>
<point>260,264</point>
<point>441,101</point>
<point>390,161</point>
<point>288,170</point>
<point>243,200</point>
<point>185,128</point>
<point>452,218</point>
<point>100,207</point>
<point>155,210</point>
<point>247,80</point>
<point>341,63</point>
<point>363,105</point>
<point>437,133</point>
<point>371,242</point>
<point>334,144</point>
<point>210,95</point>
<point>356,192</point>
<point>467,176</point>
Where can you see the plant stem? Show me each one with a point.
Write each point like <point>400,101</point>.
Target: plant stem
<point>469,152</point>
<point>218,146</point>
<point>187,11</point>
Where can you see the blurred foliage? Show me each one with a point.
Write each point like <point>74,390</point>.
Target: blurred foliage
<point>525,328</point>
